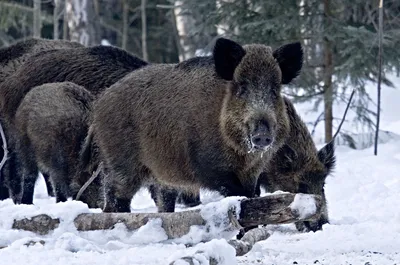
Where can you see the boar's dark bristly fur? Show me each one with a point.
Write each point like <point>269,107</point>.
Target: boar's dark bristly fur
<point>206,122</point>
<point>298,167</point>
<point>11,58</point>
<point>52,122</point>
<point>94,68</point>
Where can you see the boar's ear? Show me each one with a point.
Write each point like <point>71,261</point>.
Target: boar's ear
<point>227,56</point>
<point>290,60</point>
<point>327,156</point>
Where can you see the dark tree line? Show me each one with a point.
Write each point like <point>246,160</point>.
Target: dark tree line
<point>340,37</point>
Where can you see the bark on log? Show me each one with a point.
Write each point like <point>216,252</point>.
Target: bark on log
<point>40,224</point>
<point>272,209</point>
<point>242,247</point>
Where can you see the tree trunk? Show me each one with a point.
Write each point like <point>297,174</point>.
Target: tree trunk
<point>125,24</point>
<point>185,23</point>
<point>272,209</point>
<point>328,72</point>
<point>144,31</point>
<point>81,21</point>
<point>65,22</point>
<point>56,13</point>
<point>378,112</point>
<point>177,38</point>
<point>37,18</point>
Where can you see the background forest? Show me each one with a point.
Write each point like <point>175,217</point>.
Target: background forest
<point>340,38</point>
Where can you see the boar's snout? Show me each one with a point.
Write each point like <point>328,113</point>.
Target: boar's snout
<point>261,137</point>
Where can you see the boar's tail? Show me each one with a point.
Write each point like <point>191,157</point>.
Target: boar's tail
<point>87,159</point>
<point>85,156</point>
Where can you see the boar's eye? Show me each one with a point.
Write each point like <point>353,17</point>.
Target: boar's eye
<point>241,89</point>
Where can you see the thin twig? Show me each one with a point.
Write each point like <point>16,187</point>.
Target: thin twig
<point>344,115</point>
<point>94,175</point>
<point>3,138</point>
<point>378,113</point>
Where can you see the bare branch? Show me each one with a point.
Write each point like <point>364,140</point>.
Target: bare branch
<point>5,156</point>
<point>93,177</point>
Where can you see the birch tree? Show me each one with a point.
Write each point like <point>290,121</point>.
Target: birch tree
<point>81,22</point>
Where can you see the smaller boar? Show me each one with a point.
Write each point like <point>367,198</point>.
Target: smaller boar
<point>11,58</point>
<point>52,122</point>
<point>298,167</point>
<point>215,126</point>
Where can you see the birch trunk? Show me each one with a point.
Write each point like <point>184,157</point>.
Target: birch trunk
<point>37,18</point>
<point>144,31</point>
<point>81,21</point>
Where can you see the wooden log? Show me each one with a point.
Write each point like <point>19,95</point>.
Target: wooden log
<point>242,247</point>
<point>246,243</point>
<point>41,224</point>
<point>271,209</point>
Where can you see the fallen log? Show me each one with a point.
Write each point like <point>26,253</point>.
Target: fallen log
<point>242,247</point>
<point>271,209</point>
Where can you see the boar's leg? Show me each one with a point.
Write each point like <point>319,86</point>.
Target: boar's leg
<point>3,192</point>
<point>183,197</point>
<point>153,190</point>
<point>26,157</point>
<point>61,184</point>
<point>49,186</point>
<point>30,176</point>
<point>189,199</point>
<point>166,198</point>
<point>121,186</point>
<point>15,179</point>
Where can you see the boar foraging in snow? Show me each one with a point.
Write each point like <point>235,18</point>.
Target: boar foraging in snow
<point>298,167</point>
<point>94,68</point>
<point>219,120</point>
<point>52,122</point>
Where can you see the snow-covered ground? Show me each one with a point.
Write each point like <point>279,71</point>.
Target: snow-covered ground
<point>364,209</point>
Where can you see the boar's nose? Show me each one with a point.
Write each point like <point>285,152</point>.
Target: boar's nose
<point>261,137</point>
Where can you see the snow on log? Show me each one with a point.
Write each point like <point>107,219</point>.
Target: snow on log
<point>271,209</point>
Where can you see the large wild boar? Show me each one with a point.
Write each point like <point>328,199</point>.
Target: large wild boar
<point>52,122</point>
<point>206,122</point>
<point>296,167</point>
<point>94,68</point>
<point>11,58</point>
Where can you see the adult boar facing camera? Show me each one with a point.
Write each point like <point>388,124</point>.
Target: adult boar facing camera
<point>206,122</point>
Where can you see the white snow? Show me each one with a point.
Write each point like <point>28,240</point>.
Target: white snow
<point>218,249</point>
<point>303,205</point>
<point>363,197</point>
